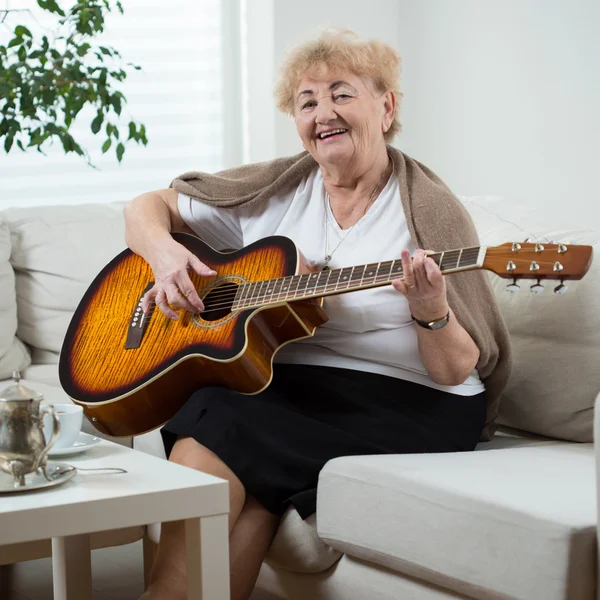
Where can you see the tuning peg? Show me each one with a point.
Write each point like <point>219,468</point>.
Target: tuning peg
<point>526,240</point>
<point>561,288</point>
<point>513,287</point>
<point>537,288</point>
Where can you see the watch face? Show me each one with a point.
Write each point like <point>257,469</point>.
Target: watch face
<point>438,324</point>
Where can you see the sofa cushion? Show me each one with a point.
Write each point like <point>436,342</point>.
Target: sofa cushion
<point>297,546</point>
<point>13,354</point>
<point>512,523</point>
<point>56,253</point>
<point>555,338</point>
<point>46,374</point>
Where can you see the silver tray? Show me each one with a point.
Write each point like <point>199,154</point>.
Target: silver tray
<point>58,472</point>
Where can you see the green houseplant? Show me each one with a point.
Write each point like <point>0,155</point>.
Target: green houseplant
<point>45,83</point>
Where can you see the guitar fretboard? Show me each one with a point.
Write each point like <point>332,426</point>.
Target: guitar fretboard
<point>337,281</point>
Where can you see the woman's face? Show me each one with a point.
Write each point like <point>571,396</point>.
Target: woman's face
<point>341,117</point>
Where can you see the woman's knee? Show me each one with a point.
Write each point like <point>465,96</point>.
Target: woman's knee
<point>190,453</point>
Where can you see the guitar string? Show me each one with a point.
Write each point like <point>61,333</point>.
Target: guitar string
<point>380,265</point>
<point>230,295</point>
<point>218,293</point>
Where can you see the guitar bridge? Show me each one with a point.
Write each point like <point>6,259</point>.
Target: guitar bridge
<point>138,323</point>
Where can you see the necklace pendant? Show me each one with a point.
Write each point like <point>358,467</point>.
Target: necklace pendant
<point>327,258</point>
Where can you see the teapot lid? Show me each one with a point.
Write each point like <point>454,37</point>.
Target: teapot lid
<point>17,391</point>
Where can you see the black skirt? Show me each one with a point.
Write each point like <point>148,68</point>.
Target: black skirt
<point>277,441</point>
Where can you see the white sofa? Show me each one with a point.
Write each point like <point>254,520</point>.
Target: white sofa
<point>515,519</point>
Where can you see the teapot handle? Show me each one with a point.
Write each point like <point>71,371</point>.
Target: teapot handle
<point>48,408</point>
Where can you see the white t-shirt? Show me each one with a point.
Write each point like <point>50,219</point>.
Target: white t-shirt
<point>368,330</point>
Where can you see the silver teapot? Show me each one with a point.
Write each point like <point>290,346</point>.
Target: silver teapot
<point>23,448</point>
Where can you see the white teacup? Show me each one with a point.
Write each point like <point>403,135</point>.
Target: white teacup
<point>71,420</point>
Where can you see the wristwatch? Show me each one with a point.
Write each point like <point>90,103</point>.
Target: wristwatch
<point>435,324</point>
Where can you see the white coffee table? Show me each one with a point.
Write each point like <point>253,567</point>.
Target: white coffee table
<point>153,490</point>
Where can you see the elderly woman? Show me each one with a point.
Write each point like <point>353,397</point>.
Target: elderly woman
<point>413,367</point>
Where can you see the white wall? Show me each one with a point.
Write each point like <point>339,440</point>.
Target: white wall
<point>504,97</point>
<point>500,97</point>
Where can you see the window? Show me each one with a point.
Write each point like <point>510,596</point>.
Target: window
<point>189,69</point>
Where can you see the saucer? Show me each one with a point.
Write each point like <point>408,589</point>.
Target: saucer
<point>83,442</point>
<point>57,472</point>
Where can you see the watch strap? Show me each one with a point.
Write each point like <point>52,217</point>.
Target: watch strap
<point>435,324</point>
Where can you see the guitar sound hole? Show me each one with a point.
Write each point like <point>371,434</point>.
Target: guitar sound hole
<point>219,301</point>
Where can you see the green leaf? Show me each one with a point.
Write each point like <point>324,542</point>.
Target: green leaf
<point>20,144</point>
<point>120,152</point>
<point>107,144</point>
<point>83,49</point>
<point>15,42</point>
<point>97,122</point>
<point>21,30</point>
<point>106,51</point>
<point>8,142</point>
<point>115,100</point>
<point>51,6</point>
<point>132,131</point>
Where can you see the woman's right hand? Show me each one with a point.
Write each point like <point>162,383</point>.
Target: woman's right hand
<point>173,288</point>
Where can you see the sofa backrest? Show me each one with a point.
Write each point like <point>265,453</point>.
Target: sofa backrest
<point>555,338</point>
<point>13,353</point>
<point>57,251</point>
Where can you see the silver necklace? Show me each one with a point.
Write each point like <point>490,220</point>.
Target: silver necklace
<point>372,197</point>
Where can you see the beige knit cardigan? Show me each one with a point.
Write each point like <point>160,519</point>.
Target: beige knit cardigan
<point>436,220</point>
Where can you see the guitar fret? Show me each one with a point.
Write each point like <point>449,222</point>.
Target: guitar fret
<point>384,271</point>
<point>301,287</point>
<point>345,274</point>
<point>370,273</point>
<point>312,283</point>
<point>238,301</point>
<point>323,281</point>
<point>249,296</point>
<point>333,279</point>
<point>259,297</point>
<point>356,276</point>
<point>277,289</point>
<point>285,287</point>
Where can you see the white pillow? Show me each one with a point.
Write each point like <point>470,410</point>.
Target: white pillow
<point>555,338</point>
<point>13,354</point>
<point>56,253</point>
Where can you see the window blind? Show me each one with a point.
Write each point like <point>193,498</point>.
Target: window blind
<point>178,95</point>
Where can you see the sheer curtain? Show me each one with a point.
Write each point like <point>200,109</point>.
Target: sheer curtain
<point>189,82</point>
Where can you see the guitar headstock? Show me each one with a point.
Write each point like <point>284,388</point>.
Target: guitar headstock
<point>538,261</point>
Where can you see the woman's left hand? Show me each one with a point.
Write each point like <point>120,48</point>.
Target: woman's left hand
<point>423,285</point>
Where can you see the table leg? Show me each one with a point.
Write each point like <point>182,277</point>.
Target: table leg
<point>207,546</point>
<point>72,567</point>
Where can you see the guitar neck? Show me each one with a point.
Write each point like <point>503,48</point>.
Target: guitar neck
<point>347,279</point>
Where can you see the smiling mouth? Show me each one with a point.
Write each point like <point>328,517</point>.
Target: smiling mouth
<point>332,133</point>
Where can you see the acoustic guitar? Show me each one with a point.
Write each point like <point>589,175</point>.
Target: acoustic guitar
<point>131,372</point>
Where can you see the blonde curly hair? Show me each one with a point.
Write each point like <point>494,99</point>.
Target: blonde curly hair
<point>338,50</point>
